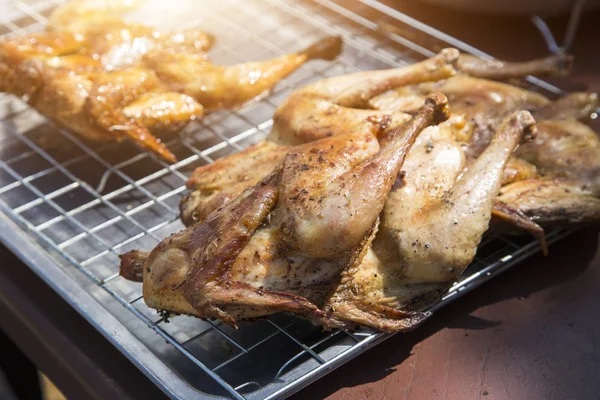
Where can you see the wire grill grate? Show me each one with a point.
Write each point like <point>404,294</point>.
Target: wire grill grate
<point>86,203</point>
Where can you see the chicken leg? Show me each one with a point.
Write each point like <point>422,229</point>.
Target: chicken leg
<point>224,87</point>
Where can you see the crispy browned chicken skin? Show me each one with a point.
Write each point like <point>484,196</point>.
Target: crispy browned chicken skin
<point>108,79</point>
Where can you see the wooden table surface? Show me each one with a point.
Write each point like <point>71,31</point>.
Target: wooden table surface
<point>532,333</point>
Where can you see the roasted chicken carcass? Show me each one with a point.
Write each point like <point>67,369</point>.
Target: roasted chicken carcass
<point>292,231</point>
<point>107,79</point>
<point>431,225</point>
<point>323,109</point>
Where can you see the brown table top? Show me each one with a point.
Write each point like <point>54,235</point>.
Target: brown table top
<point>532,333</point>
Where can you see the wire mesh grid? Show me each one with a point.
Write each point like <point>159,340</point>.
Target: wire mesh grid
<point>85,203</point>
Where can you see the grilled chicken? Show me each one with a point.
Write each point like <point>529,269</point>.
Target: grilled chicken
<point>564,146</point>
<point>323,109</point>
<point>430,228</point>
<point>277,225</point>
<point>226,267</point>
<point>108,79</point>
<point>93,103</point>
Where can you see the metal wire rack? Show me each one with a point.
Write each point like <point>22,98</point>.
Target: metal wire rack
<point>70,206</point>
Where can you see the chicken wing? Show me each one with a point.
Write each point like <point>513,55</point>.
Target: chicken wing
<point>430,229</point>
<point>217,183</point>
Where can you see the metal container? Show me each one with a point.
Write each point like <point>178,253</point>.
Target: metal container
<point>69,207</point>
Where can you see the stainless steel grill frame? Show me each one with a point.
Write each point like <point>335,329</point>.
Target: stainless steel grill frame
<point>69,207</point>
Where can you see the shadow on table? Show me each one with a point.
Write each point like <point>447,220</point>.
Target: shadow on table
<point>533,275</point>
